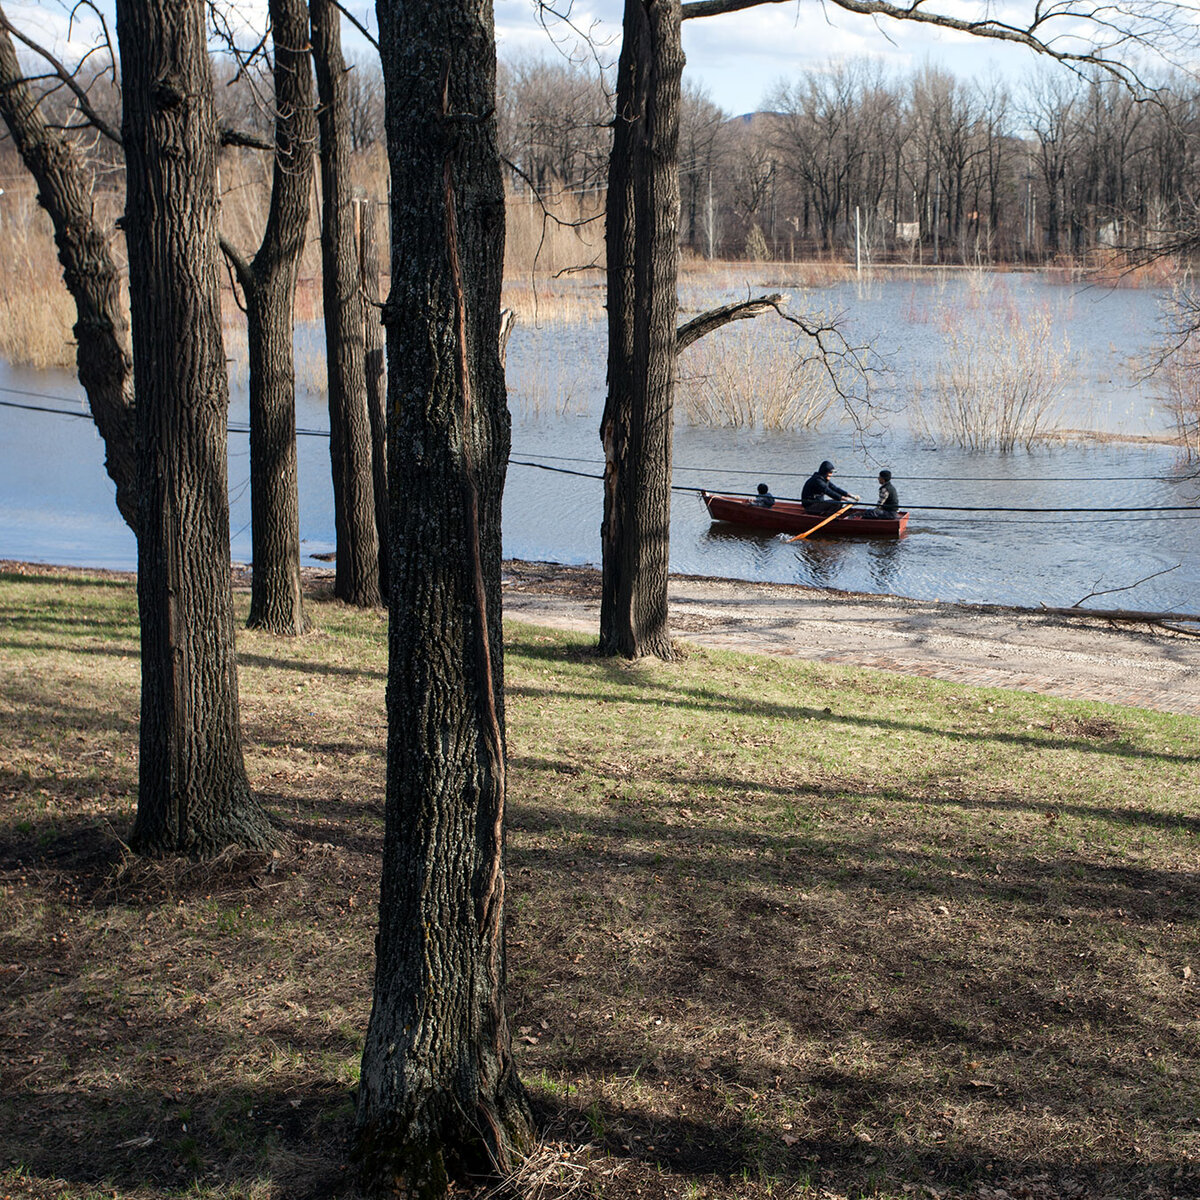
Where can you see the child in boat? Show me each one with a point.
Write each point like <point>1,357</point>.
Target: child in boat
<point>764,499</point>
<point>888,504</point>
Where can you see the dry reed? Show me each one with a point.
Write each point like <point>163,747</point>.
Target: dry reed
<point>1000,382</point>
<point>36,313</point>
<point>739,377</point>
<point>553,237</point>
<point>1180,375</point>
<point>1115,269</point>
<point>558,386</point>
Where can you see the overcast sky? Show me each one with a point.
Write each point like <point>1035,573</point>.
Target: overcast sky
<point>737,58</point>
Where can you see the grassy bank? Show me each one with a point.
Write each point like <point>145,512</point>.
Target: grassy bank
<point>775,929</point>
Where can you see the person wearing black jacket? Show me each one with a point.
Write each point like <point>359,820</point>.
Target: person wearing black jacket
<point>822,497</point>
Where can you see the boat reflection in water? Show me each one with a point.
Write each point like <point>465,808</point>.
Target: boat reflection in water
<point>820,562</point>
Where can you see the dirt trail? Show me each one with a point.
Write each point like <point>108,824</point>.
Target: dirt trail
<point>1073,657</point>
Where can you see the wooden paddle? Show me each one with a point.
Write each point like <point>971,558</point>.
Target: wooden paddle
<point>822,524</point>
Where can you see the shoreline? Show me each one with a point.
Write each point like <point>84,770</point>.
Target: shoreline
<point>1082,656</point>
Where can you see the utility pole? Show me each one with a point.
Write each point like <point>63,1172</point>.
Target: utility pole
<point>708,217</point>
<point>937,214</point>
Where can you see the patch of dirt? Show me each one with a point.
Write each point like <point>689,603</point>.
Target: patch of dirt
<point>1144,665</point>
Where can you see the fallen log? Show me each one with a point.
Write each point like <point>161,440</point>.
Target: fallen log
<point>1132,615</point>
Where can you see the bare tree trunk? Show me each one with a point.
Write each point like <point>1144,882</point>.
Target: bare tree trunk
<point>642,233</point>
<point>89,271</point>
<point>269,282</point>
<point>439,1095</point>
<point>376,370</point>
<point>356,579</point>
<point>193,795</point>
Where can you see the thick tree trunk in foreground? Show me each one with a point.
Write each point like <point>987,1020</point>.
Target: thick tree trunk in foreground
<point>89,271</point>
<point>193,795</point>
<point>376,370</point>
<point>439,1096</point>
<point>642,239</point>
<point>356,578</point>
<point>270,286</point>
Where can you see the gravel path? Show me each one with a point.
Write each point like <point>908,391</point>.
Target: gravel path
<point>1086,658</point>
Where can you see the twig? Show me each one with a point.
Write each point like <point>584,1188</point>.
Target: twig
<point>1127,587</point>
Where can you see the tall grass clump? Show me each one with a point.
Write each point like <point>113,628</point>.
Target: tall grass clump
<point>554,235</point>
<point>554,381</point>
<point>37,315</point>
<point>538,301</point>
<point>1181,382</point>
<point>999,384</point>
<point>737,377</point>
<point>1177,367</point>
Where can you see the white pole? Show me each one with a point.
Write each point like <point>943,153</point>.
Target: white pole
<point>857,241</point>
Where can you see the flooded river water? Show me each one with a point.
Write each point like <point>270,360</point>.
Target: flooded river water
<point>56,502</point>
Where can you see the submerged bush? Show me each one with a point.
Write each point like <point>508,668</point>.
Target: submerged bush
<point>1000,383</point>
<point>739,377</point>
<point>1180,371</point>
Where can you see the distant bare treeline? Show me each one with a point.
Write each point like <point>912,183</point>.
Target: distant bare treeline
<point>921,167</point>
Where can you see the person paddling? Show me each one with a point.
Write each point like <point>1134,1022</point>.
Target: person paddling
<point>820,496</point>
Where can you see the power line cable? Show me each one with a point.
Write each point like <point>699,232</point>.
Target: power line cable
<point>712,470</point>
<point>235,427</point>
<point>58,412</point>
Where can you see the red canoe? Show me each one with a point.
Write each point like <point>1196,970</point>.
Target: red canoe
<point>788,516</point>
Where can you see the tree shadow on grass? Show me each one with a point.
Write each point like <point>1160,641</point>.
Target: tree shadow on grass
<point>873,868</point>
<point>701,700</point>
<point>294,1133</point>
<point>702,785</point>
<point>736,1149</point>
<point>305,667</point>
<point>110,649</point>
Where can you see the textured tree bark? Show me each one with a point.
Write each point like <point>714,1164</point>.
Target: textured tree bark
<point>368,254</point>
<point>269,283</point>
<point>356,579</point>
<point>642,239</point>
<point>193,795</point>
<point>439,1096</point>
<point>89,271</point>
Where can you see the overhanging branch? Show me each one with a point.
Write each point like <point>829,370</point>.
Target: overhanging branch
<point>249,141</point>
<point>715,318</point>
<point>1108,27</point>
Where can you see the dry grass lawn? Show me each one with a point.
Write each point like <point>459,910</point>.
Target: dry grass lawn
<point>776,930</point>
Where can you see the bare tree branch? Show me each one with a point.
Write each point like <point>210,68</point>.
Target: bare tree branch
<point>1125,588</point>
<point>239,268</point>
<point>838,357</point>
<point>1051,26</point>
<point>1134,616</point>
<point>547,215</point>
<point>715,318</point>
<point>591,266</point>
<point>356,23</point>
<point>248,141</point>
<point>68,78</point>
